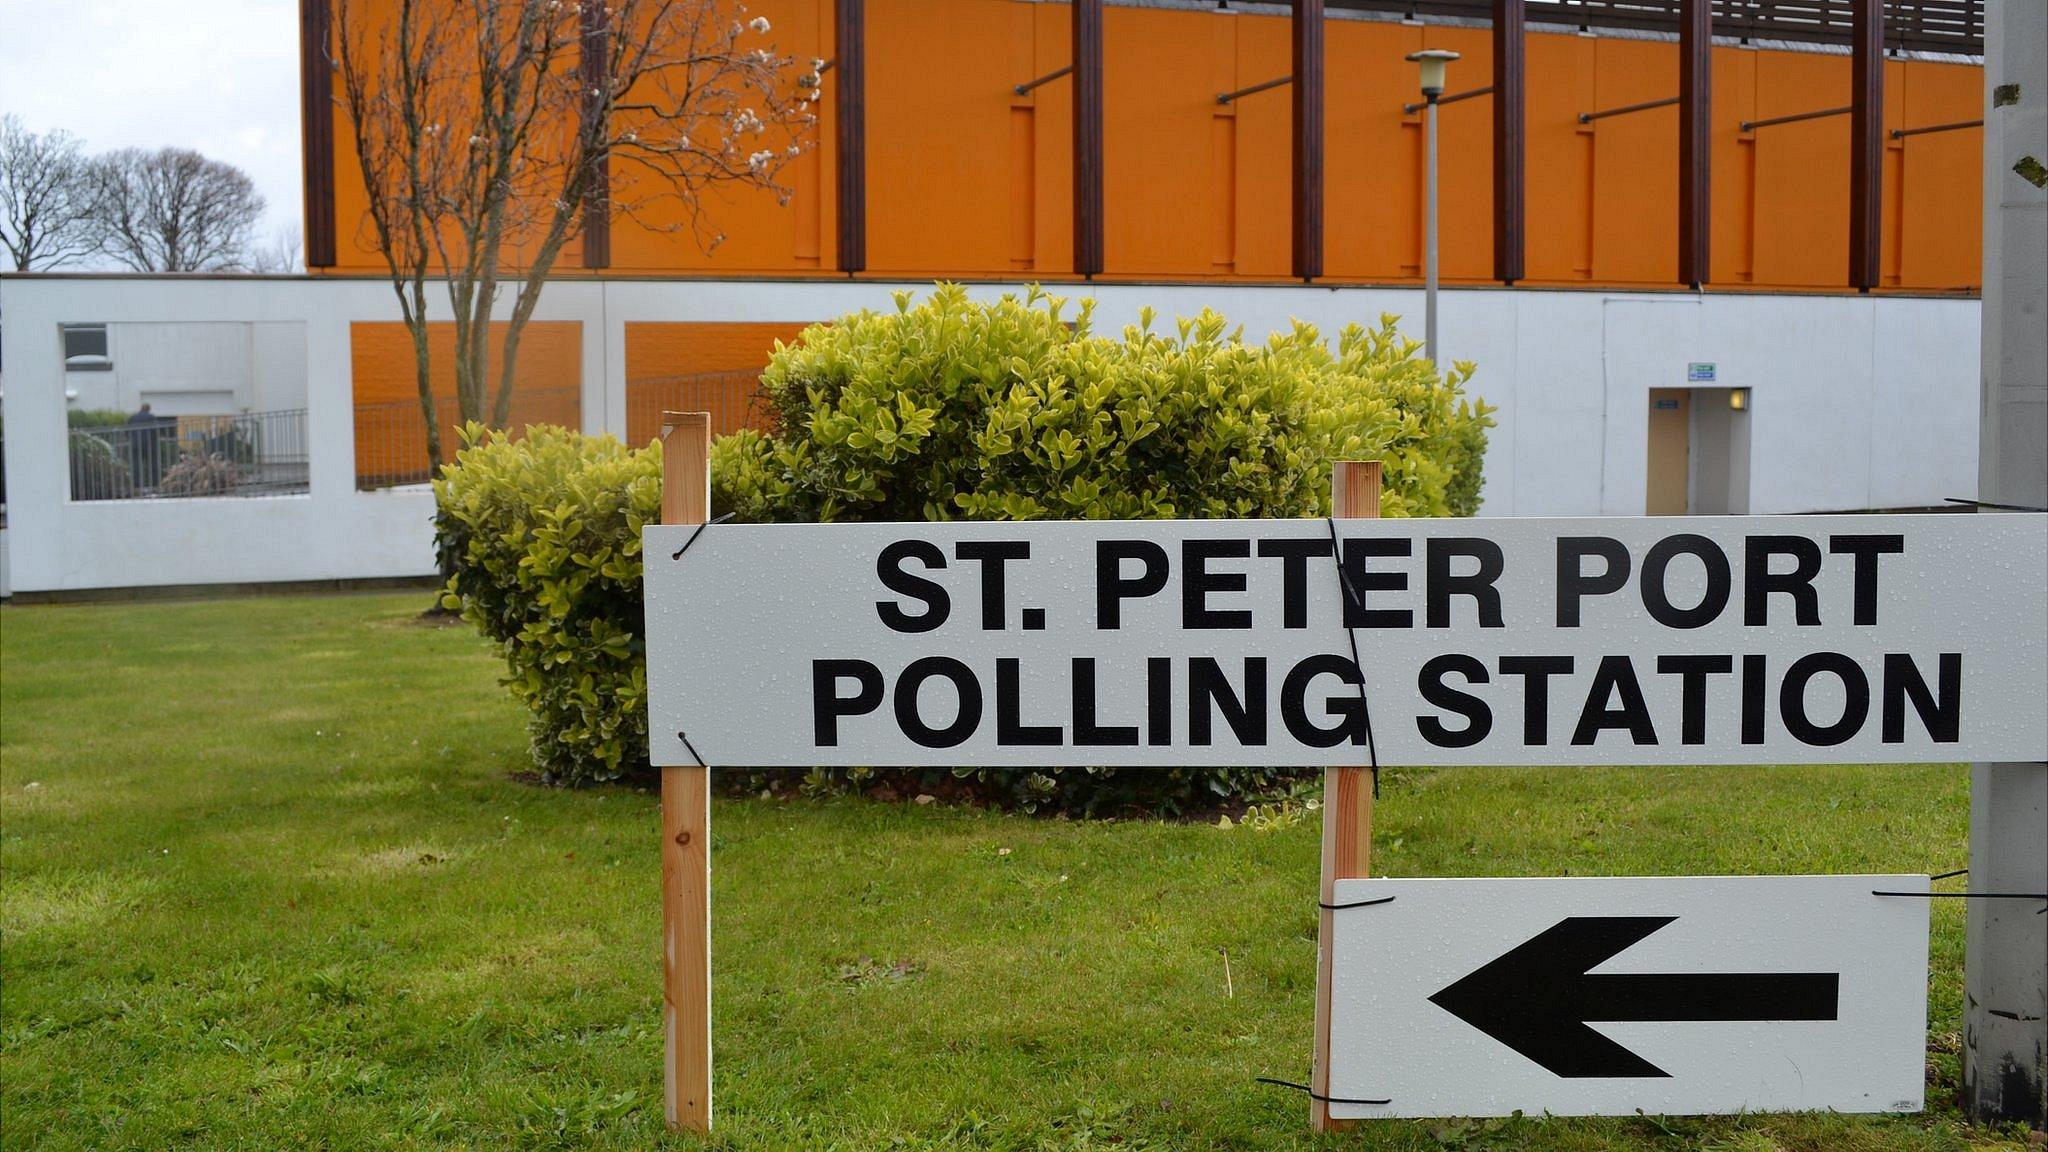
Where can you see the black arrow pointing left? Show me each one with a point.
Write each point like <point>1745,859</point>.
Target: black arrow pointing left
<point>1537,997</point>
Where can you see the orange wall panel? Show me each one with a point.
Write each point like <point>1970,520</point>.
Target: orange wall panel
<point>380,355</point>
<point>1052,142</point>
<point>939,87</point>
<point>355,240</point>
<point>1559,192</point>
<point>967,178</point>
<point>1464,153</point>
<point>1167,208</point>
<point>1635,163</point>
<point>667,365</point>
<point>356,243</point>
<point>1372,158</point>
<point>658,350</point>
<point>1732,168</point>
<point>390,437</point>
<point>1938,238</point>
<point>1802,172</point>
<point>1264,156</point>
<point>735,228</point>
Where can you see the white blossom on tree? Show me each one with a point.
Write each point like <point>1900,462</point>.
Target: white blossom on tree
<point>562,110</point>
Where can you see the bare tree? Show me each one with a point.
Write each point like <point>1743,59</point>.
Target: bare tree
<point>485,130</point>
<point>280,255</point>
<point>173,210</point>
<point>46,197</point>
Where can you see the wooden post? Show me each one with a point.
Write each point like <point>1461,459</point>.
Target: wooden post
<point>850,86</point>
<point>1087,57</point>
<point>316,117</point>
<point>1308,138</point>
<point>1510,137</point>
<point>1347,805</point>
<point>686,832</point>
<point>1866,143</point>
<point>595,59</point>
<point>1695,141</point>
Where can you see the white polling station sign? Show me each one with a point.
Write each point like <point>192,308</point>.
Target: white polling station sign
<point>1710,640</point>
<point>1596,996</point>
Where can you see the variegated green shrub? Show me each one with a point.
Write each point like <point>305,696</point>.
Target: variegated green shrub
<point>954,409</point>
<point>946,410</point>
<point>543,534</point>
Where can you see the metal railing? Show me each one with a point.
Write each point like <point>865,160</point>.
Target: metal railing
<point>734,400</point>
<point>1952,26</point>
<point>183,457</point>
<point>391,438</point>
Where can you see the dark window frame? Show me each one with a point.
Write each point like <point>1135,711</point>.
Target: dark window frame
<point>83,360</point>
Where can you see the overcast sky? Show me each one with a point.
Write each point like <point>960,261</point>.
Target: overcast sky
<point>219,76</point>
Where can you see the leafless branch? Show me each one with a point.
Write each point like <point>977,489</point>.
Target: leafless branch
<point>280,255</point>
<point>485,131</point>
<point>173,210</point>
<point>46,197</point>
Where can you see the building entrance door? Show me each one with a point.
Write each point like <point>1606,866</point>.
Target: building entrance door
<point>1670,462</point>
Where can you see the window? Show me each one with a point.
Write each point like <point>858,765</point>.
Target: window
<point>85,348</point>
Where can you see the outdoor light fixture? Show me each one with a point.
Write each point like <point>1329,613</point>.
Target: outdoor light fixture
<point>1433,61</point>
<point>1738,399</point>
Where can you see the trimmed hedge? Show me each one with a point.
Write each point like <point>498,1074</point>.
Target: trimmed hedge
<point>543,535</point>
<point>947,409</point>
<point>952,409</point>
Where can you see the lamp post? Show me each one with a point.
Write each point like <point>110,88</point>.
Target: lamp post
<point>1433,62</point>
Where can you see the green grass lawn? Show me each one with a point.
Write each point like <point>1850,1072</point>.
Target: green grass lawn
<point>270,883</point>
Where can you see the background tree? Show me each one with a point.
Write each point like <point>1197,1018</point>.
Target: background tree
<point>485,130</point>
<point>173,210</point>
<point>46,197</point>
<point>282,254</point>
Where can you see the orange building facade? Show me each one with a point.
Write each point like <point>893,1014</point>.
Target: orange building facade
<point>965,178</point>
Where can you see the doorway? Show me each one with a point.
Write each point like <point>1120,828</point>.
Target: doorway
<point>1698,460</point>
<point>1668,487</point>
<point>1718,480</point>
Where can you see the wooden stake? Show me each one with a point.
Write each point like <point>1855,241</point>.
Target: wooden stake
<point>686,832</point>
<point>1347,806</point>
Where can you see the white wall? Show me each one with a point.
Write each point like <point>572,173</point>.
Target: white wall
<point>196,369</point>
<point>1856,402</point>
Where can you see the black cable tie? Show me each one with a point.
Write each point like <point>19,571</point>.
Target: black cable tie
<point>1993,505</point>
<point>1315,1095</point>
<point>1372,748</point>
<point>694,754</point>
<point>1354,904</point>
<point>1951,875</point>
<point>693,540</point>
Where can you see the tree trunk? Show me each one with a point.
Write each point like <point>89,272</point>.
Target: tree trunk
<point>422,368</point>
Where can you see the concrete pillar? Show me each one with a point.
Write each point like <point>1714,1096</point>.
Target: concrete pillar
<point>2005,958</point>
<point>330,401</point>
<point>2005,998</point>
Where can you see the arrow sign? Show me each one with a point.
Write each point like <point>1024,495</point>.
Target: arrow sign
<point>1608,996</point>
<point>1537,998</point>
